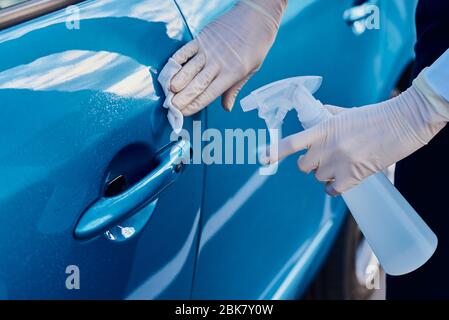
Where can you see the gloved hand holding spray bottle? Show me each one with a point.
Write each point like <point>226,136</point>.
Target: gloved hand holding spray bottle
<point>400,239</point>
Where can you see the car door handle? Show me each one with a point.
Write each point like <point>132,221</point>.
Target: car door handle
<point>107,211</point>
<point>358,15</point>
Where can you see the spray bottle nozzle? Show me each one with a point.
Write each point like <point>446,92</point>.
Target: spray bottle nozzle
<point>276,99</point>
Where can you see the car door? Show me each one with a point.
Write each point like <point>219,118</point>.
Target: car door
<point>92,204</point>
<point>266,236</point>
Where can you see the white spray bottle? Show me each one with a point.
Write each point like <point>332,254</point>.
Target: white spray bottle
<point>400,239</point>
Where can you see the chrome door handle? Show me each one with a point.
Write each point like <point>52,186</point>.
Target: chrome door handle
<point>107,211</point>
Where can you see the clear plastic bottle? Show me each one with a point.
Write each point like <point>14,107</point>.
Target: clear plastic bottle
<point>400,239</point>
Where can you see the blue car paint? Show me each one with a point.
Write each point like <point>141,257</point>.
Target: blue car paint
<point>266,237</point>
<point>70,101</point>
<point>260,237</point>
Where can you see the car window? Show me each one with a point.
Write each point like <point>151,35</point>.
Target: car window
<point>13,12</point>
<point>9,3</point>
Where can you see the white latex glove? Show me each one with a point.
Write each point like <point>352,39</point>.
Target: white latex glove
<point>358,142</point>
<point>225,55</point>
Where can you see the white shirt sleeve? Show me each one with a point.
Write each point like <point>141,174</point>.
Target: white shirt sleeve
<point>437,76</point>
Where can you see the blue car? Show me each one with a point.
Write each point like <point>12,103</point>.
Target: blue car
<point>92,203</point>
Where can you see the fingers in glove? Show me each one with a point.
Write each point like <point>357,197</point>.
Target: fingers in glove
<point>330,189</point>
<point>334,109</point>
<point>228,98</point>
<point>340,185</point>
<point>294,143</point>
<point>186,52</point>
<point>308,163</point>
<point>324,174</point>
<point>204,99</point>
<point>188,72</point>
<point>195,88</point>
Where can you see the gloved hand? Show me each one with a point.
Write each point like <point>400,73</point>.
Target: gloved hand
<point>358,142</point>
<point>225,55</point>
